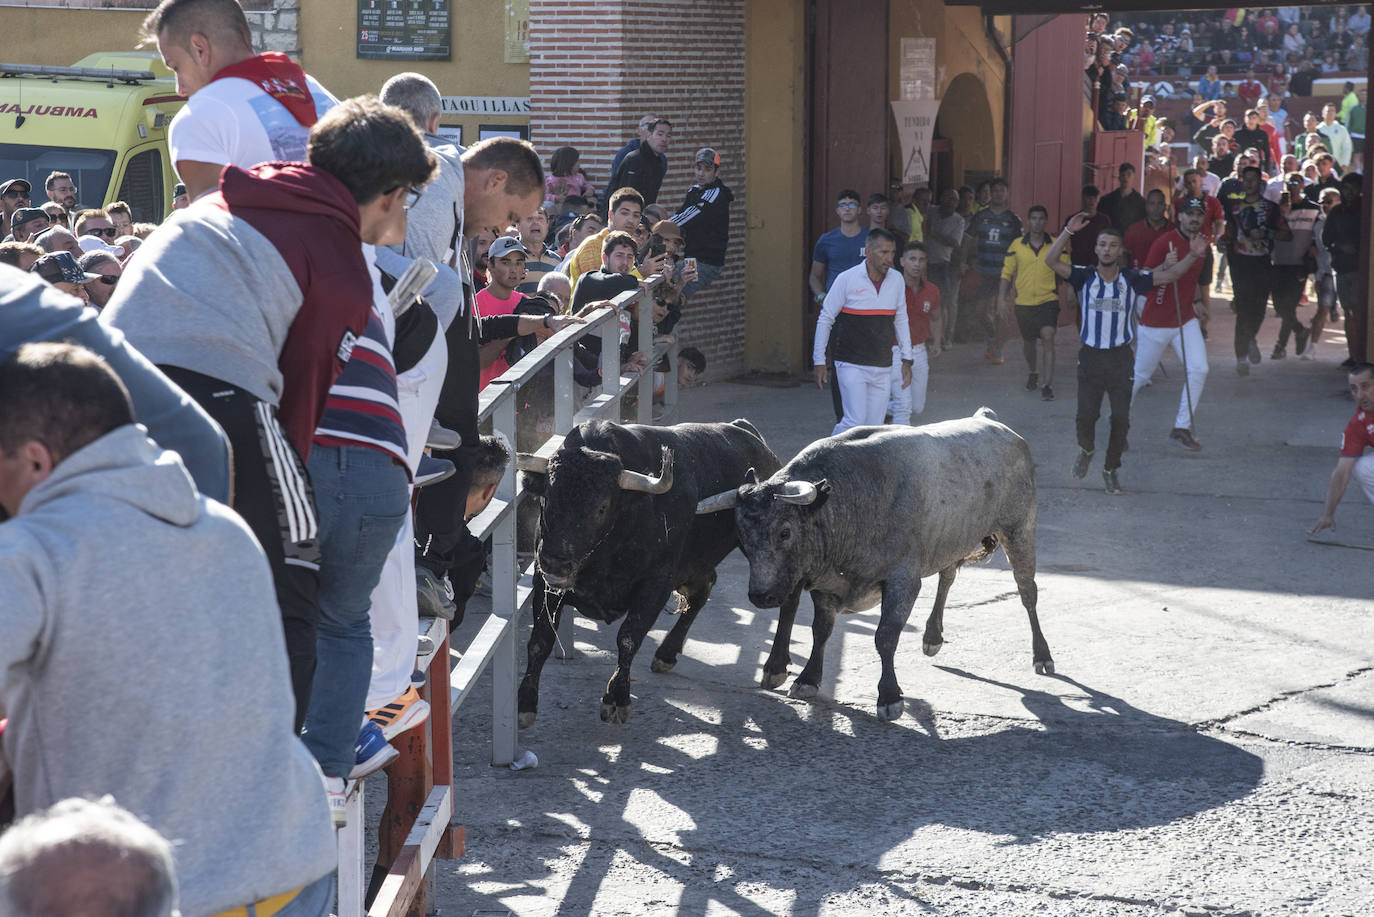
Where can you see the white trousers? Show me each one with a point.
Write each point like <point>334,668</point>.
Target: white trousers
<point>1150,346</point>
<point>863,391</point>
<point>1364,473</point>
<point>903,402</point>
<point>395,615</point>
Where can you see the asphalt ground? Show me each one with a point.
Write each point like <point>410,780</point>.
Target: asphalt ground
<point>1206,746</point>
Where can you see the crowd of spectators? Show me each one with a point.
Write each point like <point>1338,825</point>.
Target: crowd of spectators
<point>295,393</point>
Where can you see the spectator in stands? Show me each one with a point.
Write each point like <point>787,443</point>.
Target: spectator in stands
<point>1123,206</point>
<point>615,276</point>
<point>704,218</point>
<point>1293,40</point>
<point>1294,260</point>
<point>1250,89</point>
<point>20,255</point>
<point>95,223</point>
<point>566,178</point>
<point>643,168</point>
<point>626,209</point>
<point>1099,78</point>
<point>1214,113</point>
<point>1358,436</point>
<point>506,259</point>
<point>107,269</point>
<point>58,239</point>
<point>57,214</point>
<point>992,230</point>
<point>924,324</point>
<point>1209,86</point>
<point>645,125</point>
<point>64,272</point>
<point>534,231</point>
<point>26,223</point>
<point>944,234</point>
<point>1301,80</point>
<point>1029,287</point>
<point>1083,244</point>
<point>61,190</point>
<point>1341,237</point>
<point>76,471</point>
<point>267,380</point>
<point>86,856</point>
<point>14,194</point>
<point>1358,21</point>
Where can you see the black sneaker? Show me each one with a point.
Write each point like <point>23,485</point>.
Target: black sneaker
<point>1254,351</point>
<point>1184,437</point>
<point>1032,382</point>
<point>1280,353</point>
<point>1080,464</point>
<point>1046,393</point>
<point>434,594</point>
<point>1242,368</point>
<point>1111,483</point>
<point>1300,339</point>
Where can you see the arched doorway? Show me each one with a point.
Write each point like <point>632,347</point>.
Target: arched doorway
<point>964,123</point>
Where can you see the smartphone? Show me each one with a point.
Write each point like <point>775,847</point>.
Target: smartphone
<point>689,264</point>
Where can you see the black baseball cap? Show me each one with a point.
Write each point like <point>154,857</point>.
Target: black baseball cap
<point>1193,205</point>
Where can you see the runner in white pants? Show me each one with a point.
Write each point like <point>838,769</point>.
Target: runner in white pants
<point>1167,318</point>
<point>926,324</point>
<point>865,307</point>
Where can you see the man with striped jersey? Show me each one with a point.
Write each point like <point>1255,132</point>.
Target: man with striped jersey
<point>866,308</point>
<point>1108,302</point>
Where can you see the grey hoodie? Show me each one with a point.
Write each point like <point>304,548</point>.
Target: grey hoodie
<point>32,310</point>
<point>141,655</point>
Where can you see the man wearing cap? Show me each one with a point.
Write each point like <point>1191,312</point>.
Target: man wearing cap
<point>1148,122</point>
<point>62,271</point>
<point>705,220</point>
<point>26,223</point>
<point>505,271</point>
<point>180,199</point>
<point>14,194</point>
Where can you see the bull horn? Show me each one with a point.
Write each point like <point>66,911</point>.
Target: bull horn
<point>534,464</point>
<point>643,483</point>
<point>714,504</point>
<point>798,492</point>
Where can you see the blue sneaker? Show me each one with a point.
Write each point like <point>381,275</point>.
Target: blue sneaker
<point>374,753</point>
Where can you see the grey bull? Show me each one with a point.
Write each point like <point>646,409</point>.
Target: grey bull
<point>863,516</point>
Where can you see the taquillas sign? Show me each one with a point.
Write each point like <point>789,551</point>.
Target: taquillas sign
<point>57,111</point>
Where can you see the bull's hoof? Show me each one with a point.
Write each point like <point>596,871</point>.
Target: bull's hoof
<point>771,680</point>
<point>1044,667</point>
<point>618,716</point>
<point>802,690</point>
<point>932,648</point>
<point>526,718</point>
<point>892,711</point>
<point>661,665</point>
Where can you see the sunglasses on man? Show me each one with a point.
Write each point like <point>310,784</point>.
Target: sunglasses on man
<point>108,232</point>
<point>15,193</point>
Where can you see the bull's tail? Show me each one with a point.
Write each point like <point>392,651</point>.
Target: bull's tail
<point>986,551</point>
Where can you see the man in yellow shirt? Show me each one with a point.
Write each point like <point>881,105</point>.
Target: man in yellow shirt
<point>1037,299</point>
<point>626,209</point>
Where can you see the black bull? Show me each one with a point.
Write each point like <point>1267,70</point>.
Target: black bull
<point>619,533</point>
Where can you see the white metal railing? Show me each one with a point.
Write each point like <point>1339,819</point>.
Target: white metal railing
<point>427,755</point>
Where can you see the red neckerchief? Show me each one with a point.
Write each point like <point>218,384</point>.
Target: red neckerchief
<point>281,78</point>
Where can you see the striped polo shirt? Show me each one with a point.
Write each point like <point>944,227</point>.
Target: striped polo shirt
<point>362,408</point>
<point>1108,310</point>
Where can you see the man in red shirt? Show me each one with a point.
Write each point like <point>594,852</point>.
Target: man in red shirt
<point>927,324</point>
<point>1168,319</point>
<point>1359,435</point>
<point>1250,89</point>
<point>1213,219</point>
<point>1142,234</point>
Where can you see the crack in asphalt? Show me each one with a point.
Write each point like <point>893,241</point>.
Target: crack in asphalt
<point>1220,722</point>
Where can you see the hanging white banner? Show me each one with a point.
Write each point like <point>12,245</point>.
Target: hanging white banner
<point>915,128</point>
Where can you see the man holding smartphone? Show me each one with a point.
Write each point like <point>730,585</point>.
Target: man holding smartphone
<point>705,221</point>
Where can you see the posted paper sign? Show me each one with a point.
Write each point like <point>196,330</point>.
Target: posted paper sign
<point>915,128</point>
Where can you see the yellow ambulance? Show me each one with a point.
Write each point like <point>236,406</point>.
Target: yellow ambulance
<point>103,121</point>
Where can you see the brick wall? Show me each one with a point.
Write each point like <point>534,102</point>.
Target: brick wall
<point>598,66</point>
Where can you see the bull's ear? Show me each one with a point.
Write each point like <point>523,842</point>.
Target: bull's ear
<point>751,477</point>
<point>534,482</point>
<point>822,493</point>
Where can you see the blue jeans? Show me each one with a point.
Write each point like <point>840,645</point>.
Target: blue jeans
<point>362,497</point>
<point>706,275</point>
<point>315,900</point>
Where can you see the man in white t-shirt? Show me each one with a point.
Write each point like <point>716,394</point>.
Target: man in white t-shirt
<point>241,109</point>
